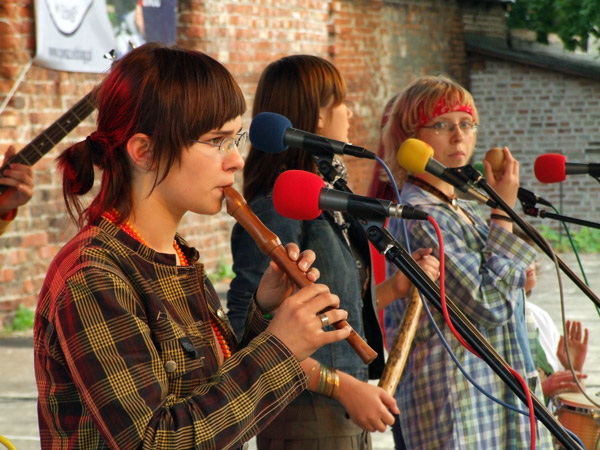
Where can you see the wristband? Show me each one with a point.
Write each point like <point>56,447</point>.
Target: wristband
<point>501,217</point>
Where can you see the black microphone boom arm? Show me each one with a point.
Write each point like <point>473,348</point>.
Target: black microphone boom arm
<point>531,232</point>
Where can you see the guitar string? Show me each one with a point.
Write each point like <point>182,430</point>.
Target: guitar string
<point>55,132</point>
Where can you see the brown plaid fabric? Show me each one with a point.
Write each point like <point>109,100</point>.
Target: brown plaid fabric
<point>125,356</point>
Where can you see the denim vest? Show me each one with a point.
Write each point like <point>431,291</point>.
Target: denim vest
<point>338,269</point>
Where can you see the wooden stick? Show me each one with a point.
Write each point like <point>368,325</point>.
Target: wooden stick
<point>394,366</point>
<point>269,243</point>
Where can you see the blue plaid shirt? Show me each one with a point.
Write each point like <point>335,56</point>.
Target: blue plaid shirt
<point>485,275</point>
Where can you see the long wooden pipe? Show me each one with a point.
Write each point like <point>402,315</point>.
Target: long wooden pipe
<point>270,245</point>
<point>394,366</point>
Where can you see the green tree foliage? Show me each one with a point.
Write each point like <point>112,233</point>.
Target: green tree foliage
<point>574,21</point>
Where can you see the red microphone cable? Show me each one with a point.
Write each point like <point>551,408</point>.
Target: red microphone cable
<point>458,336</point>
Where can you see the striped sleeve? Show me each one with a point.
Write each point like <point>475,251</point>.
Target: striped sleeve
<point>110,350</point>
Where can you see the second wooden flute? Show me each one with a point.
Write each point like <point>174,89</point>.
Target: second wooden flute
<point>270,245</point>
<point>392,372</point>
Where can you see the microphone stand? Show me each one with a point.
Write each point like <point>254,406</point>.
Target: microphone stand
<point>385,244</point>
<point>323,161</point>
<point>478,179</point>
<point>531,210</point>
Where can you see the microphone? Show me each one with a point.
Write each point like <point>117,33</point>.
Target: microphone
<point>554,168</point>
<point>273,133</point>
<point>416,156</point>
<point>302,195</point>
<point>529,198</point>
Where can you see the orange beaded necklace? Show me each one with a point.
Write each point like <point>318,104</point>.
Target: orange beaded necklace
<point>113,216</point>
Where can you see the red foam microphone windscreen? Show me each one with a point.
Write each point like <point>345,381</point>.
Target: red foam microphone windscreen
<point>550,168</point>
<point>296,194</point>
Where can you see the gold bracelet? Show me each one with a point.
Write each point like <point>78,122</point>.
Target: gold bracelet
<point>312,371</point>
<point>329,381</point>
<point>336,384</point>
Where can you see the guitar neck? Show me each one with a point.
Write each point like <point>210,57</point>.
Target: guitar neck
<point>44,142</point>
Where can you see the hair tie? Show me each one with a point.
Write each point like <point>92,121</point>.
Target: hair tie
<point>96,148</point>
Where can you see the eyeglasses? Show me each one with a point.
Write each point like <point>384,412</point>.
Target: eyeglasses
<point>443,128</point>
<point>226,145</point>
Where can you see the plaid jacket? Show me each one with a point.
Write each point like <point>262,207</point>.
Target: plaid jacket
<point>125,356</point>
<point>485,274</point>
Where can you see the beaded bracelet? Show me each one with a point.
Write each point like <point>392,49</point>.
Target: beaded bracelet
<point>500,217</point>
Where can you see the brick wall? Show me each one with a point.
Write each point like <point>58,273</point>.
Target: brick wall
<point>533,112</point>
<point>381,46</point>
<point>484,18</point>
<point>378,45</point>
<point>41,226</point>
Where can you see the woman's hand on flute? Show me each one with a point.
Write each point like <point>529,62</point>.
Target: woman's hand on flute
<point>275,285</point>
<point>299,322</point>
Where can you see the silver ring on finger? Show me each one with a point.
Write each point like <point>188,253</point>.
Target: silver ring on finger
<point>324,320</point>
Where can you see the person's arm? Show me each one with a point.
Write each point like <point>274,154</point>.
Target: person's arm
<point>19,180</point>
<point>561,382</point>
<point>398,285</point>
<point>115,358</point>
<point>369,406</point>
<point>6,219</point>
<point>483,277</point>
<point>249,263</point>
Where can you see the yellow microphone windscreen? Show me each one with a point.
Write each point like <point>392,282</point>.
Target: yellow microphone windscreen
<point>414,155</point>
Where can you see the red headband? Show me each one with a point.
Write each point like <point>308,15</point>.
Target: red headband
<point>442,107</point>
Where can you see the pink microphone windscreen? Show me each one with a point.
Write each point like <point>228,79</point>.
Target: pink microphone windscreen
<point>550,168</point>
<point>296,194</point>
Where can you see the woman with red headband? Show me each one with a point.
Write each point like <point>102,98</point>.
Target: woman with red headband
<point>485,275</point>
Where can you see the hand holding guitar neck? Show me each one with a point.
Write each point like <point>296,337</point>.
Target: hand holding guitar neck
<point>16,186</point>
<point>270,245</point>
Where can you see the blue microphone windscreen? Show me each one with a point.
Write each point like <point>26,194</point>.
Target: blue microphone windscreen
<point>267,131</point>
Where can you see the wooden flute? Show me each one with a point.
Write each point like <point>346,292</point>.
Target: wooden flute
<point>270,245</point>
<point>400,349</point>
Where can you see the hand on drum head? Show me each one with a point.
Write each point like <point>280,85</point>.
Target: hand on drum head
<point>298,325</point>
<point>561,382</point>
